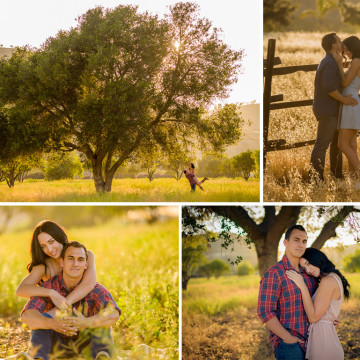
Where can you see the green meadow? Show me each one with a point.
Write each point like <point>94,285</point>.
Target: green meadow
<point>136,262</point>
<point>133,190</point>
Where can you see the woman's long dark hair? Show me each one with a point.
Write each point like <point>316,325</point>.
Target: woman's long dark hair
<point>319,259</point>
<point>38,256</point>
<point>353,45</point>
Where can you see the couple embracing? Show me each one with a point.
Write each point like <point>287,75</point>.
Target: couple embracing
<point>299,301</point>
<point>337,107</point>
<point>65,271</point>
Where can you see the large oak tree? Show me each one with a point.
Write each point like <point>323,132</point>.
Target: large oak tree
<point>265,231</point>
<point>122,79</point>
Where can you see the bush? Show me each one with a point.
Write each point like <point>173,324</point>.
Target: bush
<point>63,166</point>
<point>215,268</point>
<point>351,262</point>
<point>245,268</point>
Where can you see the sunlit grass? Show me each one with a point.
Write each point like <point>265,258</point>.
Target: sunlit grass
<point>133,190</point>
<point>286,176</point>
<point>228,294</point>
<point>137,263</point>
<point>222,295</point>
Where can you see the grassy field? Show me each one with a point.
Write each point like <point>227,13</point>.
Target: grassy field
<point>286,176</point>
<point>136,262</point>
<point>133,190</point>
<point>220,322</point>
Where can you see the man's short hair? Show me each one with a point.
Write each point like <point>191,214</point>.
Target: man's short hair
<point>290,230</point>
<point>328,40</point>
<point>75,244</point>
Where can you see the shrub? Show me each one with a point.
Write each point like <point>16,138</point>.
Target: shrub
<point>351,262</point>
<point>215,268</point>
<point>245,268</point>
<point>63,166</point>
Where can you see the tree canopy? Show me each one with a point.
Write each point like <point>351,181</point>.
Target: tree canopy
<point>122,79</point>
<point>265,226</point>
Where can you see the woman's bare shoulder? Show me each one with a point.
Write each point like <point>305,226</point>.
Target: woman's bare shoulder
<point>328,281</point>
<point>356,63</point>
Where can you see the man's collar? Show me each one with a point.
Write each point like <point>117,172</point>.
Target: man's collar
<point>62,283</point>
<point>287,264</point>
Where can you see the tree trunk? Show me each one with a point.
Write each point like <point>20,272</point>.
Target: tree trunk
<point>267,252</point>
<point>11,178</point>
<point>98,177</point>
<point>185,280</point>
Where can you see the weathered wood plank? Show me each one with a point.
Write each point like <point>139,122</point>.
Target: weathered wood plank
<point>291,104</point>
<point>277,61</point>
<point>275,98</point>
<point>292,69</point>
<point>271,147</point>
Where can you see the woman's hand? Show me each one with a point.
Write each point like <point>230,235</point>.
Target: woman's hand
<point>59,301</point>
<point>296,278</point>
<point>338,58</point>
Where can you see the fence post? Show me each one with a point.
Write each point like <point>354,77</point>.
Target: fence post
<point>267,94</point>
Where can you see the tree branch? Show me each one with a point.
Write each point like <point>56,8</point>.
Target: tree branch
<point>329,229</point>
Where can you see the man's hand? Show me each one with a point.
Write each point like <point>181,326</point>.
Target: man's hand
<point>292,340</point>
<point>59,301</point>
<point>65,326</point>
<point>349,100</point>
<point>80,321</point>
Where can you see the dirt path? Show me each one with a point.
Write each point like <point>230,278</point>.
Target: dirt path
<point>13,336</point>
<point>230,338</point>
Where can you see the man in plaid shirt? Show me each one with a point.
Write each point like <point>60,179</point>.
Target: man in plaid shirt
<point>88,330</point>
<point>280,305</point>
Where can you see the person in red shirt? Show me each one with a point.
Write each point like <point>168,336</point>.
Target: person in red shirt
<point>280,304</point>
<point>87,329</point>
<point>191,176</point>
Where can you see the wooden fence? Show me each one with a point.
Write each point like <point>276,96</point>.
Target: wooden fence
<point>275,102</point>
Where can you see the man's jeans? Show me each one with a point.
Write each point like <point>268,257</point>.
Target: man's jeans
<point>89,343</point>
<point>289,351</point>
<point>327,134</point>
<point>193,187</point>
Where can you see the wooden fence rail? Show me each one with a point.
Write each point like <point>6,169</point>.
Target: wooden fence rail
<point>275,102</point>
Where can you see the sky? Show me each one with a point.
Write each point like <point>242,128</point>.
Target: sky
<point>25,22</point>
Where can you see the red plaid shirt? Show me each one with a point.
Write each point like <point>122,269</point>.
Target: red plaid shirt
<point>191,178</point>
<point>96,300</point>
<point>280,297</point>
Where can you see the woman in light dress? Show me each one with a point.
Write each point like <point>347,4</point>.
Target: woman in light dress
<point>324,307</point>
<point>47,243</point>
<point>350,115</point>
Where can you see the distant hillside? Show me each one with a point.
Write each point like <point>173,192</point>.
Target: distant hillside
<point>251,133</point>
<point>5,52</point>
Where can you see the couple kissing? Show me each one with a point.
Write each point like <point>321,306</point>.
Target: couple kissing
<point>337,107</point>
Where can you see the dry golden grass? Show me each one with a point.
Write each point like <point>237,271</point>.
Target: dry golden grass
<point>286,175</point>
<point>236,332</point>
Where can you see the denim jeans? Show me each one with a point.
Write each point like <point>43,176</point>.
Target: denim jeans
<point>193,187</point>
<point>327,134</point>
<point>289,351</point>
<point>89,343</point>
